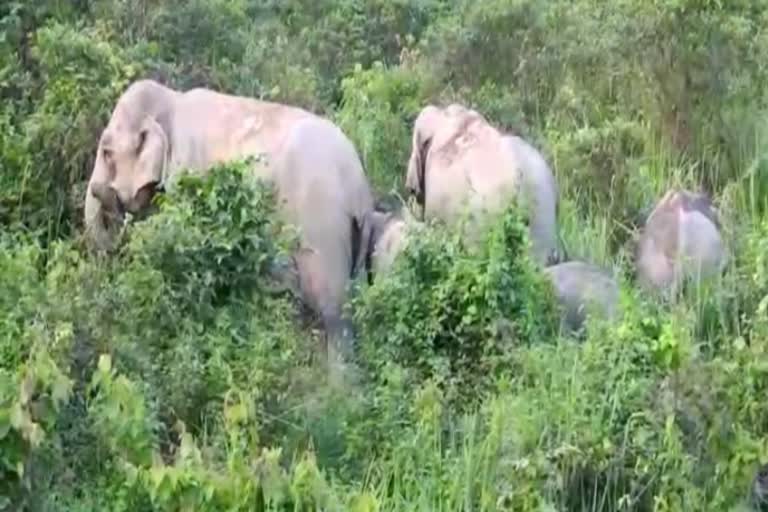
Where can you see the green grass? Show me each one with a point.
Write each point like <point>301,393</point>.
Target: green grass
<point>165,378</point>
<point>663,411</point>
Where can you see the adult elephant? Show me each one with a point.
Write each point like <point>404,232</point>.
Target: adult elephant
<point>155,132</point>
<point>459,160</point>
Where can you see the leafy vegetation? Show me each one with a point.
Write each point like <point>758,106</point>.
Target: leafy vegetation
<point>170,376</point>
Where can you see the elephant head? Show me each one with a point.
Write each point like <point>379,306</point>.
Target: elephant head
<point>377,222</point>
<point>131,160</point>
<point>451,120</point>
<point>388,238</point>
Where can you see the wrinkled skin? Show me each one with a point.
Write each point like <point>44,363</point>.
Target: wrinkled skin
<point>680,241</point>
<point>582,289</point>
<point>459,162</point>
<point>155,132</point>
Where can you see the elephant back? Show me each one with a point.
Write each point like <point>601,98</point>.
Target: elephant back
<point>680,240</point>
<point>580,288</point>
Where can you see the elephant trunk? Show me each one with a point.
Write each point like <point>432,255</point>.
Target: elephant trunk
<point>560,253</point>
<point>103,212</point>
<point>361,250</point>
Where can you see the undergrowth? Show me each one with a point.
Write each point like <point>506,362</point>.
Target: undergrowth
<point>171,376</point>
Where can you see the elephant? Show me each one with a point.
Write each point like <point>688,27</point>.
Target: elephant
<point>539,187</point>
<point>758,496</point>
<point>389,237</point>
<point>681,240</point>
<point>460,160</point>
<point>156,132</point>
<point>581,288</point>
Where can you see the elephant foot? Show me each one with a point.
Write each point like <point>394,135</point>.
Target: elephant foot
<point>343,373</point>
<point>340,352</point>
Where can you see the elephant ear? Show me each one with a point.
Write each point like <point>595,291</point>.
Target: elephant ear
<point>420,144</point>
<point>368,228</point>
<point>163,120</point>
<point>154,105</point>
<point>703,204</point>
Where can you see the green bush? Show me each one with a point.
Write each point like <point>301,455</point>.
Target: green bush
<point>276,66</point>
<point>174,310</point>
<point>47,155</point>
<point>186,282</point>
<point>33,387</point>
<point>377,112</point>
<point>456,315</point>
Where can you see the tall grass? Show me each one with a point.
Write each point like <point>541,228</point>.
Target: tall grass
<point>165,377</point>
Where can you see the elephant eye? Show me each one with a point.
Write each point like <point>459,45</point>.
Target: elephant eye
<point>107,155</point>
<point>142,140</point>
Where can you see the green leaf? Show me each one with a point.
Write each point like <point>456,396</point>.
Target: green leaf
<point>105,363</point>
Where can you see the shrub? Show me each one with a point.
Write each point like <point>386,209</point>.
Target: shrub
<point>378,108</point>
<point>183,315</point>
<point>186,282</point>
<point>33,386</point>
<point>277,67</point>
<point>50,151</point>
<point>456,315</point>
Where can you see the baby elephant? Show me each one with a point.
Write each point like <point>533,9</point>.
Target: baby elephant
<point>681,240</point>
<point>580,289</point>
<point>387,240</point>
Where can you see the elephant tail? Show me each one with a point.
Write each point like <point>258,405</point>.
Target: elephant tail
<point>561,253</point>
<point>362,234</point>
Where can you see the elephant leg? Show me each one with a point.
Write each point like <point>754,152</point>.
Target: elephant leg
<point>340,337</point>
<point>322,283</point>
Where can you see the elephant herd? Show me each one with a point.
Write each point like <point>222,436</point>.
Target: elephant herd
<point>459,164</point>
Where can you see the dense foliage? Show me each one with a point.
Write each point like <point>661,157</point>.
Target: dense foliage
<point>170,376</point>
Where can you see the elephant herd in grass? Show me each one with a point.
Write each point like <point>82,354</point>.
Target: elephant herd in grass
<point>458,159</point>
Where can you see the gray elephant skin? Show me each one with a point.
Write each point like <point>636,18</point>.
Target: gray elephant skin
<point>155,132</point>
<point>680,241</point>
<point>582,288</point>
<point>389,237</point>
<point>460,162</point>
